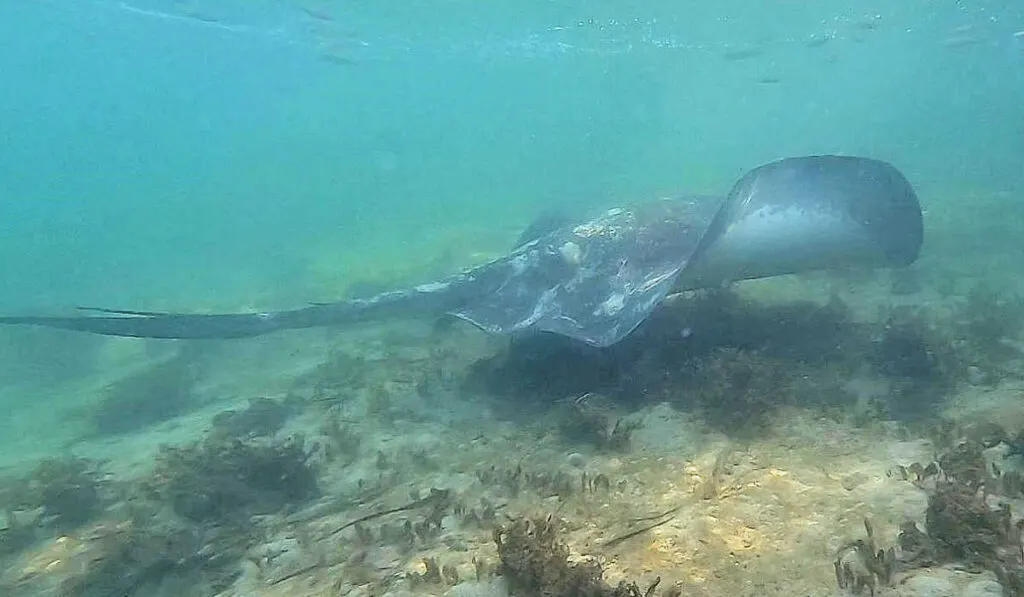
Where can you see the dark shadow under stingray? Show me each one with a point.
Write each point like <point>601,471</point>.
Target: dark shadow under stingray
<point>734,360</point>
<point>666,351</point>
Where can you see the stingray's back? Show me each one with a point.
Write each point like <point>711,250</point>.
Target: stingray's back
<point>595,281</point>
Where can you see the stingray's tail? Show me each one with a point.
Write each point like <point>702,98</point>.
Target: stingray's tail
<point>159,325</point>
<point>426,300</point>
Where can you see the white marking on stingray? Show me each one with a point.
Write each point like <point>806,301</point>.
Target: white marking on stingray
<point>612,305</point>
<point>588,229</point>
<point>648,305</point>
<point>571,253</point>
<point>653,281</point>
<point>521,262</point>
<point>565,318</point>
<point>538,309</point>
<point>431,287</point>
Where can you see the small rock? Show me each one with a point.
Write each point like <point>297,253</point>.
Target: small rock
<point>905,282</point>
<point>853,481</point>
<point>983,588</point>
<point>456,543</point>
<point>975,376</point>
<point>924,585</point>
<point>21,519</point>
<point>576,460</point>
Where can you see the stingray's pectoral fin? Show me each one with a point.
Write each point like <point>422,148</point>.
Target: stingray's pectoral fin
<point>810,213</point>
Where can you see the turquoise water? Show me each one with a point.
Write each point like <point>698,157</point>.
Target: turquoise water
<point>156,153</point>
<point>196,155</point>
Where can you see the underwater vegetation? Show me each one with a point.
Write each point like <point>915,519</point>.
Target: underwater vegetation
<point>732,360</point>
<point>667,348</point>
<point>238,470</point>
<point>968,523</point>
<point>58,496</point>
<point>861,564</point>
<point>589,419</point>
<point>735,389</point>
<point>338,377</point>
<point>183,528</point>
<point>513,481</point>
<point>107,558</point>
<point>986,321</point>
<point>393,379</point>
<point>227,479</point>
<point>341,439</point>
<point>735,361</point>
<point>910,347</point>
<point>920,360</point>
<point>69,491</point>
<point>231,497</point>
<point>535,562</point>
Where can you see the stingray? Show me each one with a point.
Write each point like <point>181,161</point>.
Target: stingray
<point>596,280</point>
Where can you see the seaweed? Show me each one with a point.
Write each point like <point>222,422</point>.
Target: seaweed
<point>917,549</point>
<point>483,517</point>
<point>962,524</point>
<point>987,319</point>
<point>917,473</point>
<point>14,535</point>
<point>380,400</point>
<point>736,390</point>
<point>338,378</point>
<point>798,332</point>
<point>711,487</point>
<point>536,563</point>
<point>965,465</point>
<point>861,564</point>
<point>905,349</point>
<point>437,502</point>
<point>483,569</point>
<point>586,419</point>
<point>134,556</point>
<point>229,479</point>
<point>921,361</point>
<point>343,438</point>
<point>963,527</point>
<point>434,574</point>
<point>513,481</point>
<point>130,556</point>
<point>69,491</point>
